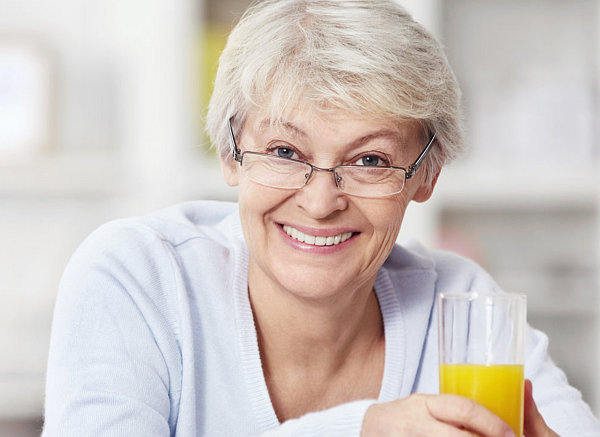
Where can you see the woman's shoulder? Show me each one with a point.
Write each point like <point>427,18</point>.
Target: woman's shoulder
<point>149,258</point>
<point>152,244</point>
<point>452,270</point>
<point>172,226</point>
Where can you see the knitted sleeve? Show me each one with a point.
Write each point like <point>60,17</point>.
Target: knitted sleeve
<point>341,421</point>
<point>560,404</point>
<point>112,355</point>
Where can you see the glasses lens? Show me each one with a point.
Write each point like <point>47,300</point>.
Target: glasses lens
<point>274,171</point>
<point>370,181</point>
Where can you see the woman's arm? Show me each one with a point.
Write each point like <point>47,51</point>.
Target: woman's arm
<point>427,415</point>
<point>110,363</point>
<point>560,404</point>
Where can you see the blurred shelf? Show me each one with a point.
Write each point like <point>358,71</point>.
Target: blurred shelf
<point>25,427</point>
<point>26,396</point>
<point>204,180</point>
<point>83,174</point>
<point>471,185</point>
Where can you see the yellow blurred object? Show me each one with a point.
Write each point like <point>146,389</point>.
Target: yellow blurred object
<point>213,38</point>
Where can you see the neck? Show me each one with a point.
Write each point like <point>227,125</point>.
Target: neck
<point>316,335</point>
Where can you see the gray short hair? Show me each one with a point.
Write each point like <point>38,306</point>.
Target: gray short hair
<point>368,57</point>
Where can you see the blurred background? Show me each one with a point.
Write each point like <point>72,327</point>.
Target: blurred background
<point>101,108</point>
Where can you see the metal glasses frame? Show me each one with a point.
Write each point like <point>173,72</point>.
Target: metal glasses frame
<point>238,156</point>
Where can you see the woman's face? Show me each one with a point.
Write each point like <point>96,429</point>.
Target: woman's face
<point>275,220</point>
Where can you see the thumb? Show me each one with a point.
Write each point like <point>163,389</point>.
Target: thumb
<point>534,424</point>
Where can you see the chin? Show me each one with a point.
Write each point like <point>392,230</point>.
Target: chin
<point>316,285</point>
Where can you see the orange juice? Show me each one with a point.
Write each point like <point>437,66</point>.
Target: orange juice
<point>499,388</point>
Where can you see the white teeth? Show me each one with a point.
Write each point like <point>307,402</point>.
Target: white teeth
<point>314,240</point>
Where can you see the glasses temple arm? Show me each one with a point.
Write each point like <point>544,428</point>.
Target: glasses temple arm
<point>412,169</point>
<point>234,150</point>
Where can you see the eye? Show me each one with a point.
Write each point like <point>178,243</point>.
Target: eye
<point>372,161</point>
<point>283,151</point>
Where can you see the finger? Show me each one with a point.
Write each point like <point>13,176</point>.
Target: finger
<point>530,413</point>
<point>448,430</point>
<point>534,424</point>
<point>407,417</point>
<point>468,414</point>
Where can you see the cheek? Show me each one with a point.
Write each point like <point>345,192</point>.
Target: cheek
<point>251,211</point>
<point>386,218</point>
<point>387,215</point>
<point>256,202</point>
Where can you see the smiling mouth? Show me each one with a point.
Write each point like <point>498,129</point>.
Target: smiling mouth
<point>314,240</point>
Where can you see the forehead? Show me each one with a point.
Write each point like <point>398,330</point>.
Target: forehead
<point>306,124</point>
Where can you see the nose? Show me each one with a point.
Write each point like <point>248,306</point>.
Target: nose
<point>321,197</point>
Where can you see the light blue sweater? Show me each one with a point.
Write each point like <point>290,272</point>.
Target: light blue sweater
<point>153,335</point>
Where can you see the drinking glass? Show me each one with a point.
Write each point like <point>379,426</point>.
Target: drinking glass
<point>482,350</point>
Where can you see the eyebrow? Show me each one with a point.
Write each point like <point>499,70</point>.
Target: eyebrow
<point>287,125</point>
<point>297,131</point>
<point>398,137</point>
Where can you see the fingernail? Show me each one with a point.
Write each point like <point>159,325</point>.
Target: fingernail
<point>510,433</point>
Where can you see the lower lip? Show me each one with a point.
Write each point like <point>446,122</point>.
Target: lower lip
<point>313,248</point>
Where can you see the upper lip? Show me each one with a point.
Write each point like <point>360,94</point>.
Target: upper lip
<point>320,232</point>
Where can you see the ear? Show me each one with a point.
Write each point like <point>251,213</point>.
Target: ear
<point>230,170</point>
<point>425,191</point>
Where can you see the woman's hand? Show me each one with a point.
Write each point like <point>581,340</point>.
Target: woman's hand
<point>434,415</point>
<point>534,425</point>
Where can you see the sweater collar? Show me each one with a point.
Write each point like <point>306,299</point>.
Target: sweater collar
<point>406,299</point>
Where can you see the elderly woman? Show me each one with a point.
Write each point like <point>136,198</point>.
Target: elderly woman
<point>291,312</point>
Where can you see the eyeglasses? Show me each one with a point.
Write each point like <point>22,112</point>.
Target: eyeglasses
<point>357,180</point>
